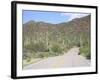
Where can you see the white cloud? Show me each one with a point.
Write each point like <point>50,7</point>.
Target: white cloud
<point>74,15</point>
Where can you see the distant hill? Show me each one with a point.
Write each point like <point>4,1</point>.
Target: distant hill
<point>76,25</point>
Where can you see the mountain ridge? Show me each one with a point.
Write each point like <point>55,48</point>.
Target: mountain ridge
<point>77,25</point>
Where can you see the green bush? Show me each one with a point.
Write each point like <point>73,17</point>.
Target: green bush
<point>42,54</point>
<point>56,48</point>
<point>37,47</point>
<point>85,51</point>
<point>28,60</point>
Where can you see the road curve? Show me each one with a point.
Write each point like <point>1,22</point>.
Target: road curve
<point>69,59</point>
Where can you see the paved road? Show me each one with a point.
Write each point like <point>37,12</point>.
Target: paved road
<point>69,59</point>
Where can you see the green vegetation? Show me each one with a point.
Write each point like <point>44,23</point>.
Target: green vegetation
<point>56,48</point>
<point>85,51</point>
<point>36,47</point>
<point>42,40</point>
<point>30,61</point>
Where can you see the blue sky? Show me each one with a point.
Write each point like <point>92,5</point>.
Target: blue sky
<point>50,17</point>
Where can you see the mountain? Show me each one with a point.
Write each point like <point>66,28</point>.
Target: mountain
<point>76,25</point>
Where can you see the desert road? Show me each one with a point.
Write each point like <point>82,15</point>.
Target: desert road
<point>69,59</point>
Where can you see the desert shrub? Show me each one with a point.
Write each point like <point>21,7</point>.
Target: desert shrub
<point>85,51</point>
<point>42,54</point>
<point>27,54</point>
<point>56,48</point>
<point>37,47</point>
<point>28,60</point>
<point>77,43</point>
<point>28,47</point>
